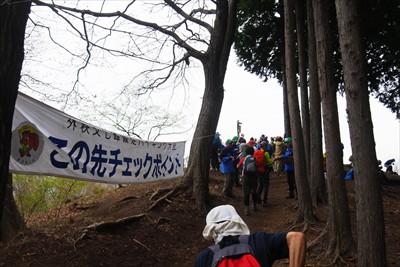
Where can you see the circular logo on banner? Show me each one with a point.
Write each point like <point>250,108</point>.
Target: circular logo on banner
<point>26,144</point>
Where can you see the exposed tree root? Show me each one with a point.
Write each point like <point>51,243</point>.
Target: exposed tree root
<point>340,261</point>
<point>170,192</point>
<point>314,229</point>
<point>112,224</point>
<point>160,191</point>
<point>294,227</point>
<point>305,227</point>
<point>155,203</point>
<point>318,240</point>
<point>331,251</point>
<point>146,247</point>
<point>126,199</point>
<point>83,236</point>
<point>102,225</point>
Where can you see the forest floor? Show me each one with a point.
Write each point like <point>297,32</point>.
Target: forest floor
<point>86,232</point>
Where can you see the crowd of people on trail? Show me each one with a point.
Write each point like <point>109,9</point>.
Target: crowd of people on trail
<point>248,164</point>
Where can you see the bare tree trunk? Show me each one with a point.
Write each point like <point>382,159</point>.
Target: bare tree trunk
<point>316,176</point>
<point>370,219</point>
<point>214,65</point>
<point>199,159</point>
<point>305,212</point>
<point>340,236</point>
<point>302,55</point>
<point>13,18</point>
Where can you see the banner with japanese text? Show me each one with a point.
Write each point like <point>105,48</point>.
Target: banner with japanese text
<point>46,141</point>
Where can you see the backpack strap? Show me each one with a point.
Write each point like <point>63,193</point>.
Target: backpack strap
<point>241,248</point>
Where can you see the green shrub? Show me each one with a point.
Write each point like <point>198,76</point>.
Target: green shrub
<point>34,193</point>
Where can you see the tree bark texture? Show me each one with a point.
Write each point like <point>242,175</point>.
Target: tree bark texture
<point>214,65</point>
<point>13,18</point>
<point>340,236</point>
<point>13,222</point>
<point>305,212</point>
<point>370,219</point>
<point>302,58</point>
<point>286,115</point>
<point>316,176</point>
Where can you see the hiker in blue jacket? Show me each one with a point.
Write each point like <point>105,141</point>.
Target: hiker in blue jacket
<point>225,227</point>
<point>227,167</point>
<point>289,166</point>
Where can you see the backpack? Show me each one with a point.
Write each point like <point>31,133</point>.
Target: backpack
<point>259,156</point>
<point>249,165</point>
<point>239,254</point>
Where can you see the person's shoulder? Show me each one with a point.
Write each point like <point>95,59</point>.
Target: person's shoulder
<point>267,237</point>
<point>204,258</point>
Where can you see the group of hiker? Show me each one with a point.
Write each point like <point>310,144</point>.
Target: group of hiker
<point>249,164</point>
<point>234,244</point>
<point>252,161</point>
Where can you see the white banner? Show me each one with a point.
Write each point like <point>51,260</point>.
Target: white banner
<point>47,141</point>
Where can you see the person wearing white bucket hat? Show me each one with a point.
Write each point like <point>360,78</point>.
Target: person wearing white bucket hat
<point>225,227</point>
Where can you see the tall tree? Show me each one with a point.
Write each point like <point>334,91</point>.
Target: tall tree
<point>214,62</point>
<point>316,176</point>
<point>301,31</point>
<point>305,211</point>
<point>338,230</point>
<point>370,220</point>
<point>13,17</point>
<point>185,35</point>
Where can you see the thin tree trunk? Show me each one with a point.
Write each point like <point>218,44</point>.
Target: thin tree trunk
<point>340,236</point>
<point>286,114</point>
<point>13,18</point>
<point>302,55</point>
<point>317,180</point>
<point>370,219</point>
<point>304,212</point>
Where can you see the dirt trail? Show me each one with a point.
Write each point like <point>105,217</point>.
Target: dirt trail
<point>169,235</point>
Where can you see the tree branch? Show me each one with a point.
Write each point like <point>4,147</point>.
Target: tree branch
<point>189,17</point>
<point>193,52</point>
